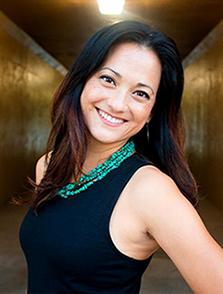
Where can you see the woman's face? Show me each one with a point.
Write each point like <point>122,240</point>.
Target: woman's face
<point>118,98</point>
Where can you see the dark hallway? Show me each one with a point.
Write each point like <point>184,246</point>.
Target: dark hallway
<point>33,63</point>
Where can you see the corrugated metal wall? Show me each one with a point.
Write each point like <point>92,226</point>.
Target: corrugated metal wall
<point>26,87</point>
<point>203,108</point>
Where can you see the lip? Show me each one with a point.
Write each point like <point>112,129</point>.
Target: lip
<point>105,121</point>
<point>117,117</point>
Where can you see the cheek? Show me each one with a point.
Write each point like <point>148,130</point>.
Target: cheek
<point>142,113</point>
<point>90,96</point>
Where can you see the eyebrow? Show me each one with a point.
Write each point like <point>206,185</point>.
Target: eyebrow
<point>115,72</point>
<point>120,76</point>
<point>147,86</point>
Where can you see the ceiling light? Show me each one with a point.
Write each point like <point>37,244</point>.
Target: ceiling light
<point>111,6</point>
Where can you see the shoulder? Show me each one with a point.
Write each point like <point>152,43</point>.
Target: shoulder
<point>159,201</point>
<point>41,166</point>
<point>149,180</point>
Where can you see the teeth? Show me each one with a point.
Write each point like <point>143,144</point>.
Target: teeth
<point>109,118</point>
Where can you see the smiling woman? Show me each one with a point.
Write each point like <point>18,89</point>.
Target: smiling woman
<point>106,197</point>
<point>116,100</point>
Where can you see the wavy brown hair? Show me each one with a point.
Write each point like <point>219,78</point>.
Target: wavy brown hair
<point>68,137</point>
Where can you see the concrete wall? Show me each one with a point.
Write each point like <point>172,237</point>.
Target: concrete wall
<point>203,109</point>
<point>27,83</point>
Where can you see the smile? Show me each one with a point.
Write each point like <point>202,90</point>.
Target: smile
<point>110,118</point>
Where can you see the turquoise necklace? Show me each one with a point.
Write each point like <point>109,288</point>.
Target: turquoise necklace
<point>99,172</point>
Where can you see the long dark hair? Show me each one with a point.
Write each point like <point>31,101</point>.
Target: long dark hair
<point>68,137</point>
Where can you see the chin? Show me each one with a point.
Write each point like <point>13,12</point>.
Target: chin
<point>107,139</point>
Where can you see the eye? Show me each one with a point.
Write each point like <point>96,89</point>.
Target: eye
<point>108,79</point>
<point>142,94</point>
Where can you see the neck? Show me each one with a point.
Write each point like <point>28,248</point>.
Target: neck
<point>99,172</point>
<point>98,153</point>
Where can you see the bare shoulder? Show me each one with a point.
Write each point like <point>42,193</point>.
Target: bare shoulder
<point>159,200</point>
<point>149,180</point>
<point>41,166</point>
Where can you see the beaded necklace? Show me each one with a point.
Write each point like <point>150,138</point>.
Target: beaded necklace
<point>99,172</point>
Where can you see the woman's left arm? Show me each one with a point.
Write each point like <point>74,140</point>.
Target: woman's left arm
<point>180,232</point>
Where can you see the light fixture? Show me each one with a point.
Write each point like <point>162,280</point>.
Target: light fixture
<point>111,6</point>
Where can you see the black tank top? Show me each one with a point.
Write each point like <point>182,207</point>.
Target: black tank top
<point>68,247</point>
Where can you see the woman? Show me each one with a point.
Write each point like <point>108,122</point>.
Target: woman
<point>114,185</point>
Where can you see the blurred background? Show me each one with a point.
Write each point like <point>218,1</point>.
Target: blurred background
<point>39,41</point>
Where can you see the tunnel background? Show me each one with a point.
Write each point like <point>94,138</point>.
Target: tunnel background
<point>28,79</point>
<point>203,112</point>
<point>27,84</point>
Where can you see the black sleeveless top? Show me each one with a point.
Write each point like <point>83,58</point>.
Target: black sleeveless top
<point>68,247</point>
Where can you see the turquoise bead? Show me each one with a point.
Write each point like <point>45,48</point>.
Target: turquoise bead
<point>99,172</point>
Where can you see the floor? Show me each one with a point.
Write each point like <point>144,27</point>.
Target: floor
<point>162,277</point>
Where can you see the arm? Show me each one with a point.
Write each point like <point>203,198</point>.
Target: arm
<point>178,229</point>
<point>41,167</point>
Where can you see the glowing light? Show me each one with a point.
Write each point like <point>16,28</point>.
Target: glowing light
<point>111,6</point>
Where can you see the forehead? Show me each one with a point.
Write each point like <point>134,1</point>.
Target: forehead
<point>134,62</point>
<point>130,48</point>
<point>131,55</point>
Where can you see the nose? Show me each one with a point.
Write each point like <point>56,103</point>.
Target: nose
<point>118,102</point>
